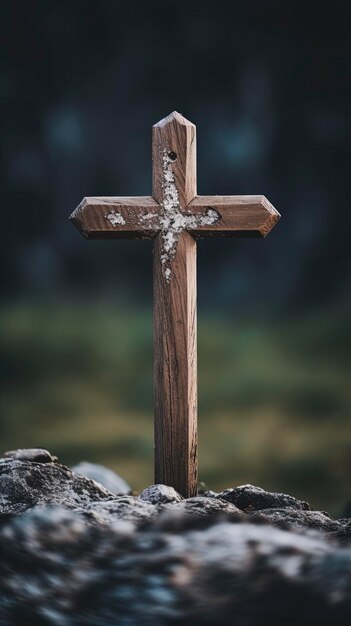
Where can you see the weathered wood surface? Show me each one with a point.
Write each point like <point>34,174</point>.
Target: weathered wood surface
<point>175,368</point>
<point>175,362</point>
<point>175,137</point>
<point>240,216</point>
<point>116,218</point>
<point>175,217</point>
<point>127,217</point>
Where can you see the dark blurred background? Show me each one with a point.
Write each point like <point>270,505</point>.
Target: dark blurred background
<point>268,85</point>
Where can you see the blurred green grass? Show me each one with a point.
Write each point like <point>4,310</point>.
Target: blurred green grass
<point>274,397</point>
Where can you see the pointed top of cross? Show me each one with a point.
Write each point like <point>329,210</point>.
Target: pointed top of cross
<point>174,117</point>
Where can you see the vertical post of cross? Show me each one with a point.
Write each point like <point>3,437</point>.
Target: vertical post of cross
<point>175,349</point>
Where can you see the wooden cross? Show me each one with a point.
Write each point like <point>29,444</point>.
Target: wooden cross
<point>174,217</point>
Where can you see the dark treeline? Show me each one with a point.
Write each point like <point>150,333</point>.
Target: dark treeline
<point>267,84</point>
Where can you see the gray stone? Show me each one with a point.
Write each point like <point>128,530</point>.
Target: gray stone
<point>28,483</point>
<point>205,506</point>
<point>57,570</point>
<point>104,476</point>
<point>259,558</point>
<point>160,494</point>
<point>251,498</point>
<point>121,508</point>
<point>24,484</point>
<point>137,510</point>
<point>36,455</point>
<point>209,494</point>
<point>291,519</point>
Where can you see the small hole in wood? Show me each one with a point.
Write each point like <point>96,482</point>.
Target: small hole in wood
<point>172,156</point>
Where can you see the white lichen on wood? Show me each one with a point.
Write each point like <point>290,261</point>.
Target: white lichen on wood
<point>115,218</point>
<point>167,273</point>
<point>171,221</point>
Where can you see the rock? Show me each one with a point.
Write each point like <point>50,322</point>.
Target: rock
<point>25,483</point>
<point>205,506</point>
<point>227,572</point>
<point>122,508</point>
<point>137,510</point>
<point>209,494</point>
<point>75,554</point>
<point>250,498</point>
<point>291,519</point>
<point>104,476</point>
<point>28,483</point>
<point>160,494</point>
<point>36,455</point>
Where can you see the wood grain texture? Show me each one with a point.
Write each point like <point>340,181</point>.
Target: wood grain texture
<point>175,369</point>
<point>174,186</point>
<point>98,218</point>
<point>174,136</point>
<point>240,216</point>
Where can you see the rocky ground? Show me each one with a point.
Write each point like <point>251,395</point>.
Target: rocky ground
<point>77,552</point>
